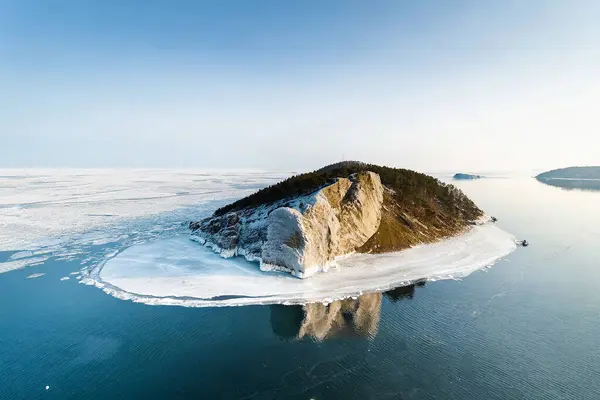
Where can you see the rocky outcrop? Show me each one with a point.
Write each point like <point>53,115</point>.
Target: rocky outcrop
<point>303,236</point>
<point>461,176</point>
<point>304,223</point>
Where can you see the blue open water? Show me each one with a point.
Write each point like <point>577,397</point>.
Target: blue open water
<point>528,328</point>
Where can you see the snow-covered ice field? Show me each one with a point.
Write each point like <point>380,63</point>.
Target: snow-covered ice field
<point>177,271</point>
<point>63,212</point>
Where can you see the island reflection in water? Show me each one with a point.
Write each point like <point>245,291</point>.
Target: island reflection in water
<point>358,317</point>
<point>592,185</point>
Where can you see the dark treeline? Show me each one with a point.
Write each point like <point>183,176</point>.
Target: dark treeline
<point>409,187</point>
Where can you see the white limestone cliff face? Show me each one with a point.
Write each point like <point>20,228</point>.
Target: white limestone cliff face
<point>304,235</point>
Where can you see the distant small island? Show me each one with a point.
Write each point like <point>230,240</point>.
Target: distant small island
<point>462,176</point>
<point>302,224</point>
<point>585,178</point>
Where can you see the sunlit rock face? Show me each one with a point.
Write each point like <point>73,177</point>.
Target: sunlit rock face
<point>342,217</point>
<point>306,223</point>
<point>303,236</point>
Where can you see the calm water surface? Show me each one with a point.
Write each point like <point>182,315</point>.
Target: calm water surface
<point>528,328</point>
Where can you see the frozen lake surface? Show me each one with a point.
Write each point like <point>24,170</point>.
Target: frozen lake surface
<point>177,271</point>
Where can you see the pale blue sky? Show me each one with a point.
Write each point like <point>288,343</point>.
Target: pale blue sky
<point>431,85</point>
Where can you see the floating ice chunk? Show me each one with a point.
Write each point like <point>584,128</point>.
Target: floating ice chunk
<point>47,387</point>
<point>65,278</point>
<point>177,271</point>
<point>21,263</point>
<point>33,276</point>
<point>21,254</point>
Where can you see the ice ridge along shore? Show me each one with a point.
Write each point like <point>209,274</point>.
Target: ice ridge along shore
<point>177,271</point>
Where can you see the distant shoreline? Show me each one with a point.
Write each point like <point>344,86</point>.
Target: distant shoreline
<point>584,178</point>
<point>571,179</point>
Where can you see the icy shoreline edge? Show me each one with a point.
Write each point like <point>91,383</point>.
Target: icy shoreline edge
<point>480,247</point>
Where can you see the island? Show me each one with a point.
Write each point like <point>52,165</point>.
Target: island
<point>307,222</point>
<point>349,228</point>
<point>462,176</point>
<point>585,178</point>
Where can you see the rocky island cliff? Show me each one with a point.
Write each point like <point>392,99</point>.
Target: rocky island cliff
<point>302,224</point>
